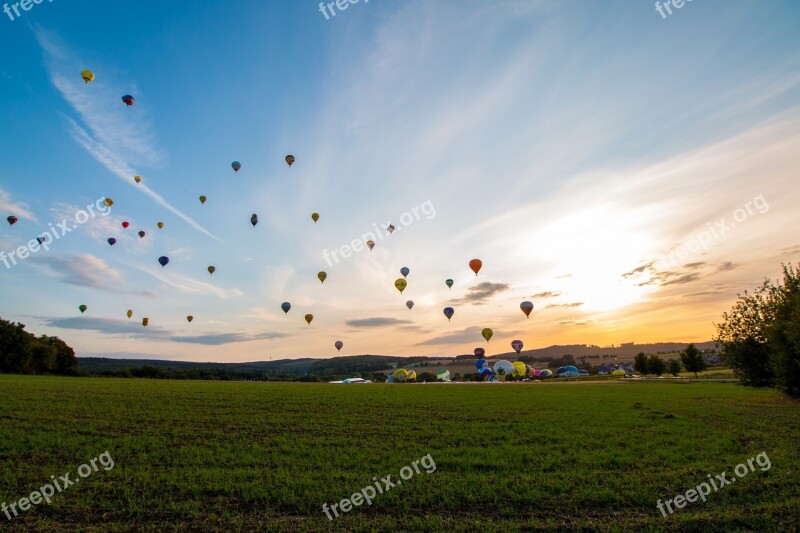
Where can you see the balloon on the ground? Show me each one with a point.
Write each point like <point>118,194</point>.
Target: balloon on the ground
<point>400,375</point>
<point>390,379</point>
<point>546,373</point>
<point>568,371</point>
<point>409,304</point>
<point>112,241</point>
<point>449,312</point>
<point>87,75</point>
<point>618,372</point>
<point>404,272</point>
<point>128,99</point>
<point>82,308</point>
<point>479,352</point>
<point>487,333</point>
<point>338,345</point>
<point>286,306</point>
<point>449,283</point>
<point>400,284</point>
<point>485,373</point>
<point>370,245</point>
<point>290,160</point>
<point>411,376</point>
<point>236,166</point>
<point>481,363</point>
<point>309,317</point>
<point>211,269</point>
<point>315,217</point>
<point>254,219</point>
<point>504,369</point>
<point>520,370</point>
<point>163,260</point>
<point>517,345</point>
<point>476,265</point>
<point>526,307</point>
<point>443,375</point>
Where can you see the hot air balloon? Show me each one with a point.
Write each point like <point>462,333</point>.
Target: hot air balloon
<point>409,304</point>
<point>309,317</point>
<point>254,219</point>
<point>520,370</point>
<point>87,75</point>
<point>400,284</point>
<point>163,260</point>
<point>141,234</point>
<point>137,179</point>
<point>128,99</point>
<point>109,202</point>
<point>338,345</point>
<point>479,352</point>
<point>315,217</point>
<point>40,240</point>
<point>236,166</point>
<point>568,371</point>
<point>546,373</point>
<point>126,224</point>
<point>129,313</point>
<point>412,375</point>
<point>449,283</point>
<point>449,312</point>
<point>370,245</point>
<point>526,307</point>
<point>618,372</point>
<point>390,228</point>
<point>443,375</point>
<point>504,369</point>
<point>486,373</point>
<point>189,318</point>
<point>160,225</point>
<point>82,308</point>
<point>480,363</point>
<point>286,306</point>
<point>145,321</point>
<point>202,199</point>
<point>405,271</point>
<point>487,333</point>
<point>322,276</point>
<point>517,345</point>
<point>112,241</point>
<point>476,265</point>
<point>400,375</point>
<point>211,269</point>
<point>290,160</point>
<point>12,220</point>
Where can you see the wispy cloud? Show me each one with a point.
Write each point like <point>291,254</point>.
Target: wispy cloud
<point>84,270</point>
<point>564,306</point>
<point>376,322</point>
<point>482,292</point>
<point>547,294</point>
<point>16,208</point>
<point>190,285</point>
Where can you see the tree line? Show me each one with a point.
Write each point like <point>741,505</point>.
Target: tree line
<point>24,353</point>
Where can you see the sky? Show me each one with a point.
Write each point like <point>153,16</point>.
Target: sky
<point>628,172</point>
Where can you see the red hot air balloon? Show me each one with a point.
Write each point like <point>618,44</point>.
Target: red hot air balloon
<point>370,245</point>
<point>126,224</point>
<point>12,220</point>
<point>236,166</point>
<point>479,353</point>
<point>476,265</point>
<point>128,99</point>
<point>517,345</point>
<point>338,345</point>
<point>526,307</point>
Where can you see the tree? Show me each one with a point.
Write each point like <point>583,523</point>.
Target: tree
<point>655,365</point>
<point>640,363</point>
<point>760,335</point>
<point>674,367</point>
<point>692,359</point>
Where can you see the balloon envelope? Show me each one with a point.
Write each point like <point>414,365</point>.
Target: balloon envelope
<point>517,345</point>
<point>286,306</point>
<point>290,160</point>
<point>449,283</point>
<point>160,225</point>
<point>112,241</point>
<point>315,217</point>
<point>567,372</point>
<point>410,304</point>
<point>400,375</point>
<point>322,276</point>
<point>137,179</point>
<point>189,318</point>
<point>145,321</point>
<point>390,228</point>
<point>254,219</point>
<point>126,224</point>
<point>449,312</point>
<point>618,372</point>
<point>479,352</point>
<point>370,245</point>
<point>526,307</point>
<point>236,166</point>
<point>487,333</point>
<point>546,373</point>
<point>443,375</point>
<point>87,75</point>
<point>309,317</point>
<point>202,199</point>
<point>211,269</point>
<point>411,375</point>
<point>504,369</point>
<point>12,220</point>
<point>141,234</point>
<point>128,99</point>
<point>520,370</point>
<point>404,271</point>
<point>400,284</point>
<point>129,313</point>
<point>338,345</point>
<point>82,308</point>
<point>476,265</point>
<point>480,363</point>
<point>163,260</point>
<point>485,372</point>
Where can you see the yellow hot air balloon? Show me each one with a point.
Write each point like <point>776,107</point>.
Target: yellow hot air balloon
<point>160,225</point>
<point>487,333</point>
<point>190,318</point>
<point>290,160</point>
<point>137,179</point>
<point>212,269</point>
<point>322,276</point>
<point>309,317</point>
<point>109,202</point>
<point>519,369</point>
<point>400,284</point>
<point>130,313</point>
<point>411,376</point>
<point>202,199</point>
<point>400,375</point>
<point>315,217</point>
<point>87,75</point>
<point>145,321</point>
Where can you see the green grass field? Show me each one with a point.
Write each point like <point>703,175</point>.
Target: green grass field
<point>238,456</point>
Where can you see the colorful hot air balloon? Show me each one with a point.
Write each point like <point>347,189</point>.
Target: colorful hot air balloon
<point>443,375</point>
<point>236,166</point>
<point>520,370</point>
<point>479,352</point>
<point>309,317</point>
<point>322,276</point>
<point>211,269</point>
<point>480,363</point>
<point>370,245</point>
<point>409,304</point>
<point>412,375</point>
<point>12,220</point>
<point>504,369</point>
<point>128,99</point>
<point>189,318</point>
<point>476,265</point>
<point>87,75</point>
<point>517,345</point>
<point>160,225</point>
<point>315,217</point>
<point>141,234</point>
<point>109,202</point>
<point>400,375</point>
<point>546,373</point>
<point>254,219</point>
<point>286,306</point>
<point>338,345</point>
<point>526,307</point>
<point>290,160</point>
<point>487,333</point>
<point>202,199</point>
<point>405,271</point>
<point>163,260</point>
<point>126,224</point>
<point>82,308</point>
<point>485,373</point>
<point>145,321</point>
<point>129,313</point>
<point>400,284</point>
<point>449,283</point>
<point>112,241</point>
<point>449,312</point>
<point>137,179</point>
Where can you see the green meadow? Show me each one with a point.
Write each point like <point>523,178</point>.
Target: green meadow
<point>246,456</point>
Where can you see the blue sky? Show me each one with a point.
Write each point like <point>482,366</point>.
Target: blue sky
<point>580,149</point>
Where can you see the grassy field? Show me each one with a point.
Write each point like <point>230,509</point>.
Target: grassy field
<point>236,456</point>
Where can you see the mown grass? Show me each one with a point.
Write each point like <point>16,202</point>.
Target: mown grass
<point>255,456</point>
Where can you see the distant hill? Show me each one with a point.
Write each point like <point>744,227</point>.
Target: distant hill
<point>98,365</point>
<point>623,351</point>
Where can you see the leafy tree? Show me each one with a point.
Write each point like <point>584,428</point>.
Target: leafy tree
<point>640,363</point>
<point>656,365</point>
<point>674,367</point>
<point>692,359</point>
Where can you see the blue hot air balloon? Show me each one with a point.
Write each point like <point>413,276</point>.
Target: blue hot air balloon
<point>163,260</point>
<point>448,312</point>
<point>480,363</point>
<point>286,306</point>
<point>112,241</point>
<point>404,271</point>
